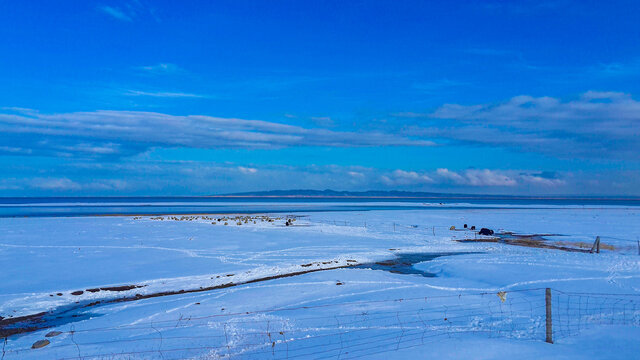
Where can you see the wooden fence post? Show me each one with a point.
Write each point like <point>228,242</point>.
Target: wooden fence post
<point>596,245</point>
<point>547,300</point>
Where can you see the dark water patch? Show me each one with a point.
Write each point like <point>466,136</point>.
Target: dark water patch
<point>404,263</point>
<point>45,320</point>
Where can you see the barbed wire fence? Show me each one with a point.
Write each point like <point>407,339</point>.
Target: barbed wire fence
<point>348,330</point>
<point>627,245</point>
<point>575,312</point>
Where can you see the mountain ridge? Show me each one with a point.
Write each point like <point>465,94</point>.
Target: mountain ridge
<point>328,193</point>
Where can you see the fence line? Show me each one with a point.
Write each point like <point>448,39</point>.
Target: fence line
<point>348,329</point>
<point>579,243</point>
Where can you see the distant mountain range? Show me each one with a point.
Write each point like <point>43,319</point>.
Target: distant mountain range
<point>302,193</point>
<point>334,193</point>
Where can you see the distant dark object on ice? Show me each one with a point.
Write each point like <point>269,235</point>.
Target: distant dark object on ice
<point>465,226</point>
<point>473,227</point>
<point>485,231</point>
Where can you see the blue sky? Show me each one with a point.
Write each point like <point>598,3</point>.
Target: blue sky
<point>136,97</point>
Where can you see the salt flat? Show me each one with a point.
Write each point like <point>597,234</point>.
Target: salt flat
<point>341,312</point>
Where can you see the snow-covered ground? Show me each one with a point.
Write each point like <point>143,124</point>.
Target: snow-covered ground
<point>453,310</point>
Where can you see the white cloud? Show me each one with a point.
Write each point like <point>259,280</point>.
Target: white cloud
<point>475,177</point>
<point>247,170</point>
<point>450,175</point>
<point>540,180</point>
<point>597,124</point>
<point>488,178</point>
<point>128,132</point>
<point>402,177</point>
<point>492,178</point>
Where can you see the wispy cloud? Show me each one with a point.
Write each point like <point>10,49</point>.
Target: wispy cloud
<point>525,7</point>
<point>130,10</point>
<point>485,51</point>
<point>18,109</point>
<point>57,184</point>
<point>323,121</point>
<point>163,94</point>
<point>94,149</point>
<point>616,69</point>
<point>115,13</point>
<point>64,184</point>
<point>162,68</point>
<point>14,150</point>
<point>438,86</point>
